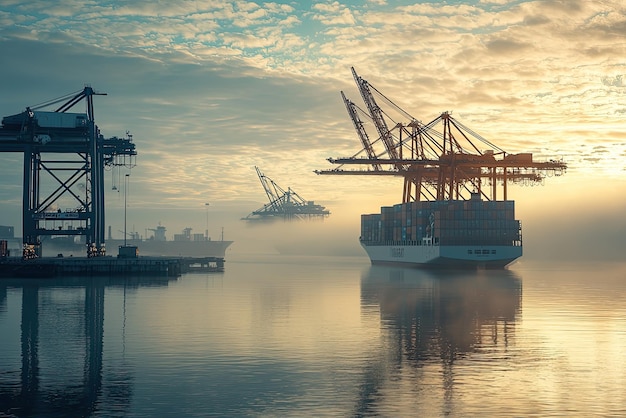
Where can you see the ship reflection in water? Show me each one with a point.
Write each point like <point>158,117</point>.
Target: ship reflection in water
<point>57,368</point>
<point>443,314</point>
<point>434,319</point>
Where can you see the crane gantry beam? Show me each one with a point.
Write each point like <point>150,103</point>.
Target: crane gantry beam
<point>439,160</point>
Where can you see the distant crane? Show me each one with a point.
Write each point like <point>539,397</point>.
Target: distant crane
<point>284,204</point>
<point>439,160</point>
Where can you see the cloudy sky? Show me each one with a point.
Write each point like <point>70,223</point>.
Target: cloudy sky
<point>210,89</point>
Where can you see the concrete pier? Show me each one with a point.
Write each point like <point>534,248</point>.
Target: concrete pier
<point>107,266</point>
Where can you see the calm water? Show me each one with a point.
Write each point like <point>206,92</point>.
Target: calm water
<point>289,336</point>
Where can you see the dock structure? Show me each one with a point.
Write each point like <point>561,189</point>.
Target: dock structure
<point>201,264</point>
<point>65,157</point>
<point>107,266</point>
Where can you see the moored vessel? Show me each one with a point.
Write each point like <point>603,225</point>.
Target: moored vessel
<point>455,212</point>
<point>184,244</point>
<point>447,233</point>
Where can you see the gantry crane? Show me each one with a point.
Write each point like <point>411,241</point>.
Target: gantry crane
<point>285,204</point>
<point>439,160</point>
<point>64,160</point>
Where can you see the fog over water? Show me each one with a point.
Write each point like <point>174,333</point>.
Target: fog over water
<point>561,220</point>
<point>580,220</point>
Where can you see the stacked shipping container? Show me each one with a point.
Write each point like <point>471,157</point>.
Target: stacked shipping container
<point>446,222</point>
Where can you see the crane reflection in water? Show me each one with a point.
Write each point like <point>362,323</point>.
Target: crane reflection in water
<point>58,367</point>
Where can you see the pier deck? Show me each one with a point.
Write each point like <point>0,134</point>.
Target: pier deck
<point>107,266</point>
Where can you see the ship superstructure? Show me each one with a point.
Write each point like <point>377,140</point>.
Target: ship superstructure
<point>184,244</point>
<point>455,210</point>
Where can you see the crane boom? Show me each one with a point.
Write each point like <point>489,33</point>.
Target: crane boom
<point>360,129</point>
<point>376,114</point>
<point>270,188</point>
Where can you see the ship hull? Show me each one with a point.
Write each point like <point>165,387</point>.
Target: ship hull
<point>444,234</point>
<point>433,256</point>
<point>176,248</point>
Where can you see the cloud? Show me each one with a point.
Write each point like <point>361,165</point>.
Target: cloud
<point>505,46</point>
<point>211,89</point>
<point>614,81</point>
<point>333,14</point>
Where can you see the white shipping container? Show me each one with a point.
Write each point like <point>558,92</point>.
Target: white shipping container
<point>61,120</point>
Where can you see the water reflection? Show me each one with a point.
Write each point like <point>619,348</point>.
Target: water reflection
<point>431,320</point>
<point>63,371</point>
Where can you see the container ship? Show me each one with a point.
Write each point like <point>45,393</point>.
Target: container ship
<point>470,233</point>
<point>455,211</point>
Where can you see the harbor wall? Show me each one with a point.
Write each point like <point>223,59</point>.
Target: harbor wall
<point>107,266</point>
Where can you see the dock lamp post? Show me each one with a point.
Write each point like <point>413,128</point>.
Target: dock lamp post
<point>206,231</point>
<point>126,178</point>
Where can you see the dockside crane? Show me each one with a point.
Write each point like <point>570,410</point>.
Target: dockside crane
<point>360,129</point>
<point>377,116</point>
<point>439,160</point>
<point>284,204</point>
<point>65,156</point>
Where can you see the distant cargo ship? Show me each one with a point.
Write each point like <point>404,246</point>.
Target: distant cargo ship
<point>185,244</point>
<point>452,233</point>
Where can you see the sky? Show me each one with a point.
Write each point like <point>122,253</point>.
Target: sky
<point>211,89</point>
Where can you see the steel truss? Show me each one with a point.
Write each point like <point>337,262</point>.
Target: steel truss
<point>439,160</point>
<point>65,156</point>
